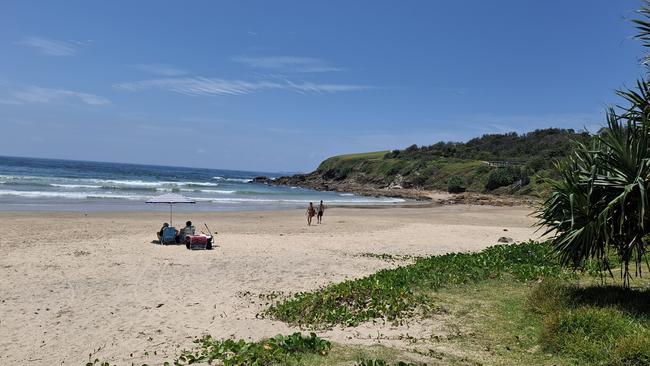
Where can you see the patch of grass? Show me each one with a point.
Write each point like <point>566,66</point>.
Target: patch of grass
<point>381,362</point>
<point>488,323</point>
<point>594,324</point>
<point>352,355</point>
<point>599,335</point>
<point>392,294</point>
<point>551,295</point>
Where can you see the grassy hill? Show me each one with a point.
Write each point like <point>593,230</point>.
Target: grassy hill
<point>500,163</point>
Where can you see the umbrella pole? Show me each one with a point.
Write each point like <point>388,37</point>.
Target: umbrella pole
<point>171,223</point>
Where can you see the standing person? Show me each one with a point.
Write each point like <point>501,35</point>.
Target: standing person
<point>311,212</point>
<point>321,211</point>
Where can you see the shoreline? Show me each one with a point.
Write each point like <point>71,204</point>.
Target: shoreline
<point>314,182</point>
<point>415,195</point>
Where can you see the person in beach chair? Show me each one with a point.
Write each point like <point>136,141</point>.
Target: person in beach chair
<point>167,234</point>
<point>187,230</point>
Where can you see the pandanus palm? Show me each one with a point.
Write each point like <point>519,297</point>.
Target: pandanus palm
<point>600,203</point>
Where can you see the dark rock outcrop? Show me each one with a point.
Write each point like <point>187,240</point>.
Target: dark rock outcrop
<point>262,180</point>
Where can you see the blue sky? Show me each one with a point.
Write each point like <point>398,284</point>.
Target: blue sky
<point>281,85</point>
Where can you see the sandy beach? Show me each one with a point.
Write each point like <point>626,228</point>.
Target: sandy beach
<point>76,286</point>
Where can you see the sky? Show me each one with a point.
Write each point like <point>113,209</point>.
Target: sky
<point>282,85</point>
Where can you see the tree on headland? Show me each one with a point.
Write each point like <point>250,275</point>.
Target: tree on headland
<point>600,204</point>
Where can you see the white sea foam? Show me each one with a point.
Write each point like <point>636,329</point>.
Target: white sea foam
<point>238,180</point>
<point>201,184</point>
<point>70,195</point>
<point>63,182</point>
<point>74,185</point>
<point>219,191</point>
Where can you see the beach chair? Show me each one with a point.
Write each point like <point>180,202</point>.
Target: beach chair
<point>168,236</point>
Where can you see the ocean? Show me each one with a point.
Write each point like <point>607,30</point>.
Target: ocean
<point>29,184</point>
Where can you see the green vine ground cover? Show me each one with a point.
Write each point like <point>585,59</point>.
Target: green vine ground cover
<point>393,294</point>
<point>277,350</point>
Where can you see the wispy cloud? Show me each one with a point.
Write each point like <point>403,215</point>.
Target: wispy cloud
<point>35,94</point>
<point>9,101</point>
<point>161,69</point>
<point>198,86</point>
<point>52,47</point>
<point>287,63</point>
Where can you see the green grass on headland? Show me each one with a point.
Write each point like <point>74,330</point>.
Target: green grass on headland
<point>367,155</point>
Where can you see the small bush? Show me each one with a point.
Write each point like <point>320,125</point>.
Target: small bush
<point>502,177</point>
<point>392,155</point>
<point>456,184</point>
<point>412,149</point>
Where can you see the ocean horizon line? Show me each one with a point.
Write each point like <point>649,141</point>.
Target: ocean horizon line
<point>158,165</point>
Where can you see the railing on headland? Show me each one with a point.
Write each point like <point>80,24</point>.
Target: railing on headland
<point>501,164</point>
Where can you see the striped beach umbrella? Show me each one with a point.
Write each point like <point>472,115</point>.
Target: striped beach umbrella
<point>171,199</point>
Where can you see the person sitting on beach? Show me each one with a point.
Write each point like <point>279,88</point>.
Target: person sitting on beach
<point>321,211</point>
<point>187,230</point>
<point>311,212</point>
<point>160,233</point>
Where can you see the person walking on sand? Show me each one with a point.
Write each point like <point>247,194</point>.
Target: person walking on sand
<point>311,212</point>
<point>321,211</point>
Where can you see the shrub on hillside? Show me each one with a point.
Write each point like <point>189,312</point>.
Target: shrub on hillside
<point>505,176</point>
<point>392,155</point>
<point>456,184</point>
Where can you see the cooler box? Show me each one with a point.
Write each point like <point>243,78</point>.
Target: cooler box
<point>198,242</point>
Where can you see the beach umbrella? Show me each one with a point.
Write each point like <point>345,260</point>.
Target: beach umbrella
<point>171,199</point>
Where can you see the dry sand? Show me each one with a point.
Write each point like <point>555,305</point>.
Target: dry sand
<point>74,286</point>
